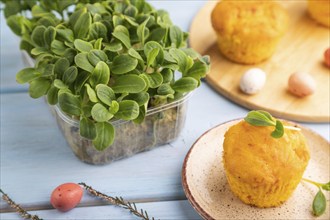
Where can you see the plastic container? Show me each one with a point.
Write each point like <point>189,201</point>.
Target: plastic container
<point>161,125</point>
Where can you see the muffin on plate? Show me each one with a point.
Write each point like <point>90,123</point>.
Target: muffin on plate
<point>248,31</point>
<point>319,10</point>
<point>261,170</point>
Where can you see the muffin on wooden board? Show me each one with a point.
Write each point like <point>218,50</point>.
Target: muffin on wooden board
<point>262,170</point>
<point>319,10</point>
<point>248,31</point>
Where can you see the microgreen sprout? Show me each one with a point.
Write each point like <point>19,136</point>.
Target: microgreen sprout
<point>263,118</point>
<point>319,203</point>
<point>103,60</point>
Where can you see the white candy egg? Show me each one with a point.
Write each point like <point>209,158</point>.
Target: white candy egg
<point>301,84</point>
<point>253,81</point>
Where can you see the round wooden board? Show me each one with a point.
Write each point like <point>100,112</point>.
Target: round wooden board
<point>300,50</point>
<point>205,185</point>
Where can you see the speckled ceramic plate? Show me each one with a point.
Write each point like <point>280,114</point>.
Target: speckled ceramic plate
<point>205,185</point>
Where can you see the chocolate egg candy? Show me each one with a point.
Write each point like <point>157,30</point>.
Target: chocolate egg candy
<point>301,84</point>
<point>66,196</point>
<point>253,81</point>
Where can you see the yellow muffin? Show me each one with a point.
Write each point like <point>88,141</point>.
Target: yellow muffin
<point>319,10</point>
<point>262,170</point>
<point>248,31</point>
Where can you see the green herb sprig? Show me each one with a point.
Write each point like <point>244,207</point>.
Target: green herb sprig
<point>263,118</point>
<point>103,60</point>
<point>319,203</point>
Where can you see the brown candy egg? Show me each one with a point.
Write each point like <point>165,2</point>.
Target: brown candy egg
<point>301,84</point>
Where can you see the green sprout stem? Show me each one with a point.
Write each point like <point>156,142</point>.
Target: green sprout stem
<point>312,182</point>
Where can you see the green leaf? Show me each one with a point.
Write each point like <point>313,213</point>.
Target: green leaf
<point>105,134</point>
<point>114,46</point>
<point>105,94</point>
<point>70,75</point>
<point>49,36</point>
<point>59,84</point>
<point>128,83</point>
<point>82,46</point>
<point>154,79</point>
<point>39,87</point>
<point>95,56</point>
<point>128,110</point>
<point>100,75</point>
<point>52,95</point>
<point>101,113</point>
<point>142,114</point>
<point>192,53</point>
<point>70,54</point>
<point>150,46</point>
<point>152,56</point>
<point>38,11</point>
<point>61,65</point>
<point>87,128</point>
<point>64,4</point>
<point>157,34</point>
<point>27,75</point>
<point>134,54</point>
<point>114,107</point>
<point>141,31</point>
<point>91,93</point>
<point>12,8</point>
<point>81,27</point>
<point>98,30</point>
<point>82,62</point>
<point>98,44</point>
<point>58,47</point>
<point>75,16</point>
<point>184,62</point>
<point>65,34</point>
<point>279,130</point>
<point>69,103</point>
<point>319,203</point>
<point>326,186</point>
<point>38,50</point>
<point>37,36</point>
<point>140,98</point>
<point>168,75</point>
<point>185,84</point>
<point>80,81</point>
<point>123,64</point>
<point>121,33</point>
<point>198,70</point>
<point>258,118</point>
<point>15,24</point>
<point>48,21</point>
<point>176,36</point>
<point>165,89</point>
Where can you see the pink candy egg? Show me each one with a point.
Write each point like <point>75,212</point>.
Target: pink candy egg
<point>301,84</point>
<point>66,196</point>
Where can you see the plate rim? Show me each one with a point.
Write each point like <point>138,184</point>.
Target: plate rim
<point>184,181</point>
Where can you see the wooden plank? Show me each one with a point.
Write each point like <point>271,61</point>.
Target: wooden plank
<point>35,158</point>
<point>300,50</point>
<point>160,210</point>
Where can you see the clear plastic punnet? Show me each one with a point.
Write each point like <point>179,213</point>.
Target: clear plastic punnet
<point>161,125</point>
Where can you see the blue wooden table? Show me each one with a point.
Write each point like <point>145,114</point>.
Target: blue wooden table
<point>35,157</point>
